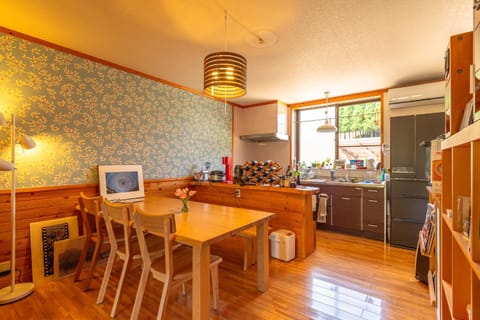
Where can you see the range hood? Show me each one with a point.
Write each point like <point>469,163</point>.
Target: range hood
<point>265,137</point>
<point>265,123</point>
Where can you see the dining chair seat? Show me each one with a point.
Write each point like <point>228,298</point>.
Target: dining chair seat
<point>174,268</point>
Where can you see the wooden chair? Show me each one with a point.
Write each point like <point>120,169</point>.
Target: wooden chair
<point>117,216</point>
<point>90,209</point>
<point>249,237</point>
<point>174,268</point>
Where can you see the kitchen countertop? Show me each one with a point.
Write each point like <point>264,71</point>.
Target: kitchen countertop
<point>299,189</point>
<point>320,182</point>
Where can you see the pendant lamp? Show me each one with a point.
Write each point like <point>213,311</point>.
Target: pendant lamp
<point>326,126</point>
<point>225,73</point>
<point>15,291</point>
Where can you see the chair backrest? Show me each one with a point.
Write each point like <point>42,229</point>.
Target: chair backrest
<point>161,226</point>
<point>90,205</point>
<point>121,214</point>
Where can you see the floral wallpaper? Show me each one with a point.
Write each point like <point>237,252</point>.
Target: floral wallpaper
<point>82,113</point>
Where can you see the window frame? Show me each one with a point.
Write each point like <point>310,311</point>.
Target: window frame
<point>338,102</point>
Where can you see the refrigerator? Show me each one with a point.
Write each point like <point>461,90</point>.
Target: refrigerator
<point>408,182</point>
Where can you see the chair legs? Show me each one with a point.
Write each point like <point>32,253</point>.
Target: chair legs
<point>214,279</point>
<point>81,261</point>
<point>249,250</point>
<point>106,275</point>
<point>93,264</point>
<point>140,291</point>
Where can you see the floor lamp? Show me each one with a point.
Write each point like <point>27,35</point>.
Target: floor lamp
<point>15,291</point>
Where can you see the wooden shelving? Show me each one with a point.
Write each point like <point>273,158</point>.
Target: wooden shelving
<point>431,288</point>
<point>447,291</point>
<point>460,259</point>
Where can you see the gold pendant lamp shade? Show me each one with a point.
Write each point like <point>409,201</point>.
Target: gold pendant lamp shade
<point>225,75</point>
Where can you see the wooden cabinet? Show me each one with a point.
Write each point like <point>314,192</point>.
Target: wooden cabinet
<point>292,207</point>
<point>354,209</point>
<point>346,208</point>
<point>458,59</point>
<point>373,213</point>
<point>459,256</point>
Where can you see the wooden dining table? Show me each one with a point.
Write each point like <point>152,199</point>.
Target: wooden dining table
<point>205,224</point>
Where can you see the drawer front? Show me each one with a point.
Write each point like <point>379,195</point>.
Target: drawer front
<point>347,191</point>
<point>346,212</point>
<point>373,226</point>
<point>373,210</point>
<point>373,193</point>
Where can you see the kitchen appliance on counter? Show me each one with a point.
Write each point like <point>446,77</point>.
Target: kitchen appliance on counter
<point>408,182</point>
<point>217,176</point>
<point>227,162</point>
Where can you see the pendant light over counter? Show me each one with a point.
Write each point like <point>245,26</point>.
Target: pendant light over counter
<point>326,126</point>
<point>225,73</point>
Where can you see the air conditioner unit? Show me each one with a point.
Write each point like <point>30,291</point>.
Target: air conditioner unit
<point>418,95</point>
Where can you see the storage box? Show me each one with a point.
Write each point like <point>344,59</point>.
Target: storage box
<point>282,244</point>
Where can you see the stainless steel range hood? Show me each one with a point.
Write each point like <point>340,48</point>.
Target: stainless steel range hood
<point>265,137</point>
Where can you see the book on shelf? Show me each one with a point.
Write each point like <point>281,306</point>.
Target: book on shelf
<point>428,229</point>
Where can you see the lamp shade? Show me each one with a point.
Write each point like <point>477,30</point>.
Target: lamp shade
<point>3,121</point>
<point>225,75</point>
<point>6,165</point>
<point>327,127</point>
<point>26,142</point>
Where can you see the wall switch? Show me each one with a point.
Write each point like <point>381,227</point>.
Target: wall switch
<point>237,193</point>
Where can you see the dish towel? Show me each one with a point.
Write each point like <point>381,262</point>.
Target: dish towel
<point>322,208</point>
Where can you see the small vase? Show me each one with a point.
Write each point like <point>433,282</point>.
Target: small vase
<point>185,205</point>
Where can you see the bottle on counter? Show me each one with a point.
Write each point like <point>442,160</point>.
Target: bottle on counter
<point>382,177</point>
<point>293,182</point>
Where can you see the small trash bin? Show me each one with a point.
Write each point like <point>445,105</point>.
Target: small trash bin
<point>282,243</point>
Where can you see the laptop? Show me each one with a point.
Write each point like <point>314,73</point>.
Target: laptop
<point>121,183</point>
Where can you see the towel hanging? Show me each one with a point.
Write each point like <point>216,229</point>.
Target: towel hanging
<point>322,208</point>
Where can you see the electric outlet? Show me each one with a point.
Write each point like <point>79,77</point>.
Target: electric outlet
<point>4,268</point>
<point>237,193</point>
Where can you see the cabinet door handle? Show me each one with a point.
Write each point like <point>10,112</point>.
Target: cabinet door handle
<point>372,225</point>
<point>344,198</point>
<point>358,188</point>
<point>374,201</point>
<point>370,190</point>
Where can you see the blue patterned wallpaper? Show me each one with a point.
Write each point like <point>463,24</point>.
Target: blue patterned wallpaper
<point>83,113</point>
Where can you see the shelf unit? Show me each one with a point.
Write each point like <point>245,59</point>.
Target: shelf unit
<point>459,257</point>
<point>459,57</point>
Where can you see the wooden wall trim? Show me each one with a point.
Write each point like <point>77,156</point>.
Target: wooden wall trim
<point>46,203</point>
<point>345,98</point>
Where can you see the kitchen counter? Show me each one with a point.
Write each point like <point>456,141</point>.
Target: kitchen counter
<point>301,189</point>
<point>292,206</point>
<point>320,182</point>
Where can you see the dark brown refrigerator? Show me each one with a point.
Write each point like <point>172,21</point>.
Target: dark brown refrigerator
<point>408,157</point>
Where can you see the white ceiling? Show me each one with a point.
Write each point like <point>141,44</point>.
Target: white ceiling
<point>311,46</point>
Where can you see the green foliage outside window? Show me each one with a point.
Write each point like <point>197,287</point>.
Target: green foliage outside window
<point>359,120</point>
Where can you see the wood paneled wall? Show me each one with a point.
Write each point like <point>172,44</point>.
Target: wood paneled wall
<point>39,204</point>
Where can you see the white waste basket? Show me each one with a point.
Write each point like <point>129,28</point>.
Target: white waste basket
<point>282,244</point>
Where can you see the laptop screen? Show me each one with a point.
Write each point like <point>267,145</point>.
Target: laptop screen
<point>121,182</point>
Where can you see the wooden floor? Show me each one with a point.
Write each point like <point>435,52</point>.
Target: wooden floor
<point>345,278</point>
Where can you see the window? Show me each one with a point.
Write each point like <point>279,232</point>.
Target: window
<point>357,136</point>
